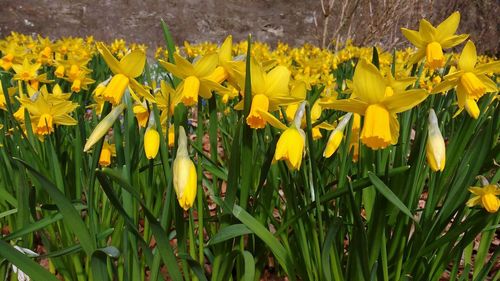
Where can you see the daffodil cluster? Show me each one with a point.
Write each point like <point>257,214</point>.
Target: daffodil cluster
<point>49,80</point>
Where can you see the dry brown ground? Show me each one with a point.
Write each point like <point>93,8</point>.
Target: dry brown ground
<point>292,21</point>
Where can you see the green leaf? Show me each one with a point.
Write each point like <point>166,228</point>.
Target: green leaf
<point>375,59</point>
<point>169,40</point>
<point>71,216</point>
<point>249,273</point>
<point>229,232</point>
<point>163,243</point>
<point>24,263</point>
<point>98,262</point>
<point>274,245</point>
<point>389,195</point>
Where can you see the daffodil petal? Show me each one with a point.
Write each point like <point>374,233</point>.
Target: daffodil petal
<point>132,64</point>
<point>488,83</point>
<point>347,105</point>
<point>65,119</point>
<point>454,76</point>
<point>272,120</point>
<point>427,31</point>
<point>225,50</point>
<point>277,81</point>
<point>325,126</point>
<point>394,124</point>
<point>402,84</point>
<point>214,86</point>
<point>461,95</point>
<point>413,36</point>
<point>276,101</point>
<point>110,60</point>
<point>205,91</point>
<point>404,101</point>
<point>468,57</point>
<point>473,201</point>
<point>415,58</point>
<point>141,91</point>
<point>454,40</point>
<point>257,77</point>
<point>206,65</point>
<point>449,26</point>
<point>299,90</point>
<point>444,86</point>
<point>368,83</point>
<point>174,69</point>
<point>492,67</point>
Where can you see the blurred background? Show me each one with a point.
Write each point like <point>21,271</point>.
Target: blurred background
<point>326,23</point>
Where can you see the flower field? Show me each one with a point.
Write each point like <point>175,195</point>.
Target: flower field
<point>237,161</point>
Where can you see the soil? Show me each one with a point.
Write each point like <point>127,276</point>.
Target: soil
<point>292,21</point>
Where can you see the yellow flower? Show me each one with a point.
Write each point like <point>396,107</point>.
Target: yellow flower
<point>141,113</point>
<point>378,103</point>
<point>26,71</point>
<point>486,197</point>
<point>269,91</point>
<point>471,80</point>
<point>129,67</point>
<point>184,173</point>
<point>151,143</point>
<point>290,146</point>
<point>196,78</point>
<point>435,148</point>
<point>430,41</point>
<point>107,151</point>
<point>46,111</point>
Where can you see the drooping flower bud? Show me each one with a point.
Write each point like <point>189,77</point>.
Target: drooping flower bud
<point>184,173</point>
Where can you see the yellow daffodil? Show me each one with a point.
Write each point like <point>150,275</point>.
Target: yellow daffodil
<point>470,80</point>
<point>79,77</point>
<point>316,111</point>
<point>431,40</point>
<point>108,150</point>
<point>435,149</point>
<point>291,144</point>
<point>184,173</point>
<point>196,78</point>
<point>46,111</point>
<point>27,71</point>
<point>12,53</point>
<point>141,112</point>
<point>378,103</point>
<point>269,91</point>
<point>126,70</point>
<point>486,197</point>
